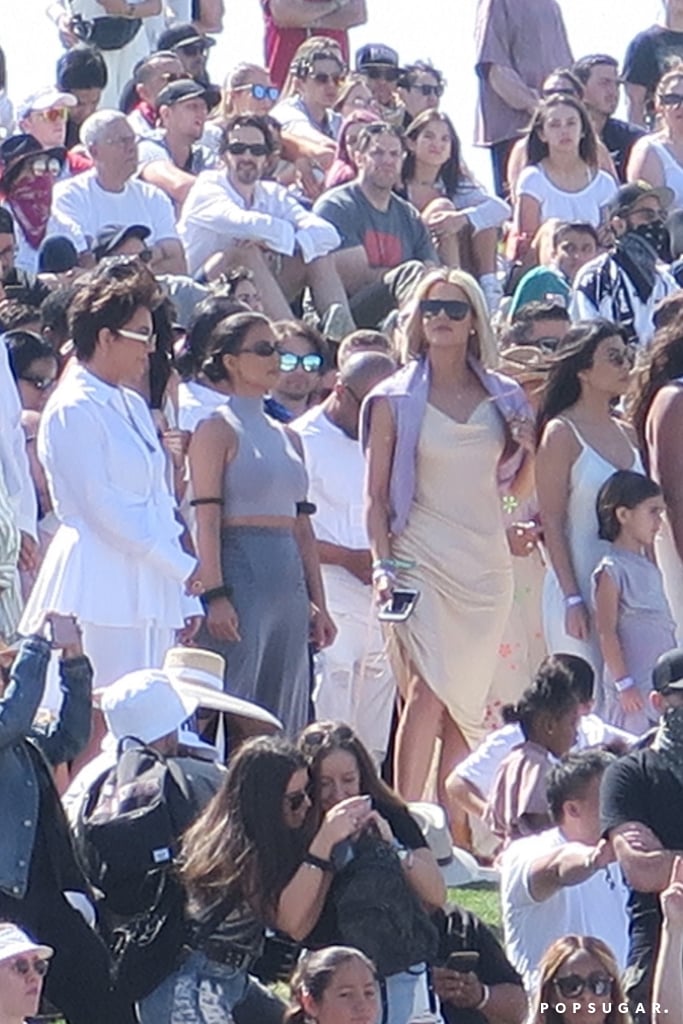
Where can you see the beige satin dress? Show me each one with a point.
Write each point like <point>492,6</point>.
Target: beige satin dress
<point>463,569</point>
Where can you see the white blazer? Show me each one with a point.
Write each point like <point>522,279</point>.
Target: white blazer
<point>116,559</point>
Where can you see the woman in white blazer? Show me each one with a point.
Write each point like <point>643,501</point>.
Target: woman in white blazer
<point>116,560</point>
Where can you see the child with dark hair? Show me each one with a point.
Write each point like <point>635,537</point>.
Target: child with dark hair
<point>548,713</point>
<point>632,614</point>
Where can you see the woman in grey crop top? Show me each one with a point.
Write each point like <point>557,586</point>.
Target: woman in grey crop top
<point>258,562</point>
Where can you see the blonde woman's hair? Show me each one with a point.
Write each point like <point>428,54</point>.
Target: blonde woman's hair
<point>482,343</point>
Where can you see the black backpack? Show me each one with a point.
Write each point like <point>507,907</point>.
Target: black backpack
<point>377,910</point>
<point>129,830</point>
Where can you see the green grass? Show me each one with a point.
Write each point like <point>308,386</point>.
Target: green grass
<point>483,900</point>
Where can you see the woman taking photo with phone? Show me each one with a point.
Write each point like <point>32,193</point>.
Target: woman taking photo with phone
<point>436,434</point>
<point>258,564</point>
<point>384,836</point>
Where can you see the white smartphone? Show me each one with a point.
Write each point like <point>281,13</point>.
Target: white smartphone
<point>400,607</point>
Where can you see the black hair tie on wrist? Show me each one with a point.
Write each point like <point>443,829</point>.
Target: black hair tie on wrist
<point>306,508</point>
<point>318,862</point>
<point>214,594</point>
<point>207,501</point>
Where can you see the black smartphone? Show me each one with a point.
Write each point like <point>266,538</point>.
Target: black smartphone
<point>62,630</point>
<point>400,607</point>
<point>463,962</point>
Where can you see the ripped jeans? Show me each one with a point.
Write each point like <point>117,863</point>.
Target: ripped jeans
<point>200,991</point>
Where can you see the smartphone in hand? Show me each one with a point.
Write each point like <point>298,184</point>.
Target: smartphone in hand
<point>62,631</point>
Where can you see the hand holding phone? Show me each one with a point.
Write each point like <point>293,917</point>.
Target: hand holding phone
<point>400,606</point>
<point>64,633</point>
<point>463,962</point>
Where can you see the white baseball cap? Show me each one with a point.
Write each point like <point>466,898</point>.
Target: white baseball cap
<point>45,99</point>
<point>14,942</point>
<point>145,704</point>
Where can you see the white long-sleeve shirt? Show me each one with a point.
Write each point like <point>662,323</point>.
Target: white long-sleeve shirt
<point>215,216</point>
<point>13,457</point>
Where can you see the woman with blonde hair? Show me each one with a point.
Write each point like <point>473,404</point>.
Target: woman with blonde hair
<point>658,158</point>
<point>579,982</point>
<point>437,433</point>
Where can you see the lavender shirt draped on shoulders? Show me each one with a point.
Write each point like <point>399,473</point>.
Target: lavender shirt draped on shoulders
<point>407,391</point>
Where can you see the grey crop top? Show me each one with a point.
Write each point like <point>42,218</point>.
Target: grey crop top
<point>266,477</point>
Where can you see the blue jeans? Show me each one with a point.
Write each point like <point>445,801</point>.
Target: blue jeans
<point>200,991</point>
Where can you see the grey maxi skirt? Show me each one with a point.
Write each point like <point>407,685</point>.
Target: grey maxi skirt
<point>270,664</point>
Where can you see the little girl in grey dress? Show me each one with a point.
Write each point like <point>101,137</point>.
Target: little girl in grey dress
<point>632,614</point>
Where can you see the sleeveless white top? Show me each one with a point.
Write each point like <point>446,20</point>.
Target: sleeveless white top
<point>673,171</point>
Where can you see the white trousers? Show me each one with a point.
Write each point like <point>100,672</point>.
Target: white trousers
<point>354,682</point>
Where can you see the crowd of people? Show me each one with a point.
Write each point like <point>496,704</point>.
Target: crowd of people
<point>341,525</point>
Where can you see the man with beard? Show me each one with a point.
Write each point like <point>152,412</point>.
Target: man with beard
<point>638,798</point>
<point>231,217</point>
<point>626,283</point>
<point>385,245</point>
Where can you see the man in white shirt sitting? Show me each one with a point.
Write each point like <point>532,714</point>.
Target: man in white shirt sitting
<point>355,683</point>
<point>565,880</point>
<point>110,194</point>
<point>231,217</point>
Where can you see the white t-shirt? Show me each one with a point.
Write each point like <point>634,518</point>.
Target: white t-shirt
<point>83,200</point>
<point>595,907</point>
<point>480,767</point>
<point>336,470</point>
<point>586,206</point>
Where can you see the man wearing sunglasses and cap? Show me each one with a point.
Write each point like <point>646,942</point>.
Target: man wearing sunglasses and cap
<point>173,156</point>
<point>640,802</point>
<point>233,217</point>
<point>379,66</point>
<point>626,283</point>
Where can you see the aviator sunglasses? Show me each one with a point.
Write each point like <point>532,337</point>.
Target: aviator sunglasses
<point>23,966</point>
<point>453,308</point>
<point>573,985</point>
<point>311,362</point>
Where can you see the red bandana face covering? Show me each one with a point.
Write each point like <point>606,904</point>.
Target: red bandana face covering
<point>30,200</point>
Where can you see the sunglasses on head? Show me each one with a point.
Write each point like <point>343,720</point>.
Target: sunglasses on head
<point>323,77</point>
<point>240,148</point>
<point>40,383</point>
<point>316,737</point>
<point>385,74</point>
<point>296,800</point>
<point>428,90</point>
<point>53,114</point>
<point>311,362</point>
<point>454,309</point>
<point>23,966</point>
<point>671,99</point>
<point>261,348</point>
<point>573,985</point>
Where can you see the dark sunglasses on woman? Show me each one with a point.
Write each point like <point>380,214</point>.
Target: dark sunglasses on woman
<point>428,90</point>
<point>22,965</point>
<point>296,800</point>
<point>311,362</point>
<point>671,99</point>
<point>454,309</point>
<point>571,986</point>
<point>261,348</point>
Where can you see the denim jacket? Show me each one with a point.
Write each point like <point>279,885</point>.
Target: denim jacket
<point>407,391</point>
<point>26,752</point>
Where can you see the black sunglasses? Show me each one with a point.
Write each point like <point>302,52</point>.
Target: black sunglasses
<point>261,348</point>
<point>428,90</point>
<point>192,49</point>
<point>240,148</point>
<point>296,800</point>
<point>671,99</point>
<point>323,77</point>
<point>453,308</point>
<point>573,985</point>
<point>387,74</point>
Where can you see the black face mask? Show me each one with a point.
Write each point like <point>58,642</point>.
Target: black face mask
<point>656,235</point>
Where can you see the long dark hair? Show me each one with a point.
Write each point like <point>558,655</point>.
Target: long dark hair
<point>574,353</point>
<point>239,848</point>
<point>537,150</point>
<point>451,171</point>
<point>624,489</point>
<point>227,338</point>
<point>321,739</point>
<point>662,364</point>
<point>207,313</point>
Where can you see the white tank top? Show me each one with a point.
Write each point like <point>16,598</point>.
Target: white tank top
<point>673,171</point>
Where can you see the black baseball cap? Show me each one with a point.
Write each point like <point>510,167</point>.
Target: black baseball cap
<point>56,255</point>
<point>668,671</point>
<point>181,89</point>
<point>181,35</point>
<point>110,237</point>
<point>628,195</point>
<point>375,53</point>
